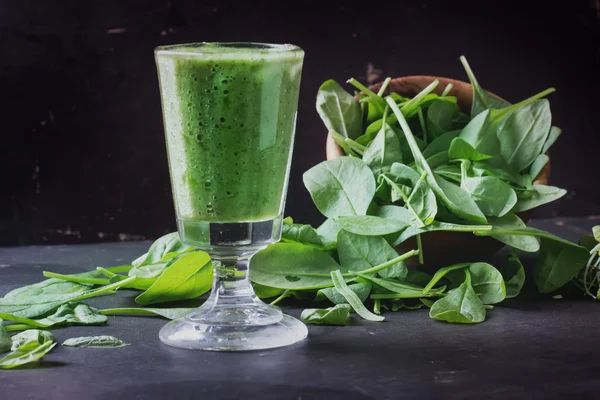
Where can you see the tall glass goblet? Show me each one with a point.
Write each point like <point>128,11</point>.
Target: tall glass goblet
<point>229,112</point>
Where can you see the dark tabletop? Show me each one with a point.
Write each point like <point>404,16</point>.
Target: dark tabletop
<point>527,348</point>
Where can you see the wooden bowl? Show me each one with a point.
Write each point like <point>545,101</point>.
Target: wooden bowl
<point>443,248</point>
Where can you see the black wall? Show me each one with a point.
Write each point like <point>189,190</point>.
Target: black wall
<point>83,156</point>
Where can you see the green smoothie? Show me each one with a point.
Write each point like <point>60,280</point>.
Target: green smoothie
<point>229,113</point>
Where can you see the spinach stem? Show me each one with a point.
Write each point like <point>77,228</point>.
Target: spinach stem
<point>104,289</point>
<point>106,272</point>
<point>384,86</point>
<point>76,279</point>
<point>341,141</point>
<point>18,327</point>
<point>420,248</point>
<point>286,293</point>
<point>120,268</point>
<point>362,88</point>
<point>388,264</point>
<point>377,306</point>
<point>352,298</point>
<point>422,122</point>
<point>447,90</point>
<point>355,146</point>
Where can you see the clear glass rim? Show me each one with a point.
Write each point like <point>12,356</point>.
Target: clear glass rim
<point>231,49</point>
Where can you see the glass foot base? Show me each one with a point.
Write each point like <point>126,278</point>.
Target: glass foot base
<point>189,334</point>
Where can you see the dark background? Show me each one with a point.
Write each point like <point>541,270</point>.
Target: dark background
<point>83,158</point>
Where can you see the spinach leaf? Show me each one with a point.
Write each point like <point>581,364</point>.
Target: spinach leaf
<point>442,272</point>
<point>292,266</point>
<point>449,172</point>
<point>187,278</point>
<point>555,132</point>
<point>74,314</point>
<point>542,194</point>
<point>344,186</point>
<point>95,342</point>
<point>440,144</point>
<point>422,201</point>
<point>48,287</point>
<point>5,341</point>
<point>523,134</point>
<point>493,197</point>
<point>358,253</point>
<point>169,313</point>
<point>483,131</point>
<point>460,305</point>
<point>26,355</point>
<point>145,275</point>
<point>440,117</point>
<point>452,196</point>
<point>461,150</point>
<point>328,230</point>
<point>339,111</point>
<point>538,164</point>
<point>30,338</point>
<point>558,262</point>
<point>352,298</point>
<point>304,234</point>
<point>383,151</point>
<point>31,307</point>
<point>266,292</point>
<point>482,100</point>
<point>508,221</point>
<point>369,225</point>
<point>513,273</point>
<point>162,249</point>
<point>330,316</point>
<point>486,281</point>
<point>361,289</point>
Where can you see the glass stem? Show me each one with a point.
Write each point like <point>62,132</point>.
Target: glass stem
<point>232,278</point>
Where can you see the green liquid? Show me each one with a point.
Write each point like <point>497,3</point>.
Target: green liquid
<point>229,117</point>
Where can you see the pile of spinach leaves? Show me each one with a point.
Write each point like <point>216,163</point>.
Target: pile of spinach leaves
<point>411,166</point>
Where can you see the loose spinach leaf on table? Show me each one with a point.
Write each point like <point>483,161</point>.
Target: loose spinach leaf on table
<point>486,281</point>
<point>31,338</point>
<point>513,273</point>
<point>361,289</point>
<point>398,288</point>
<point>340,187</point>
<point>339,111</point>
<point>162,249</point>
<point>66,314</point>
<point>95,342</point>
<point>460,305</point>
<point>187,278</point>
<point>5,341</point>
<point>330,316</point>
<point>26,355</point>
<point>169,313</point>
<point>31,307</point>
<point>352,298</point>
<point>558,263</point>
